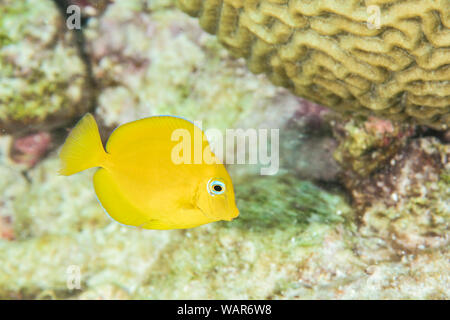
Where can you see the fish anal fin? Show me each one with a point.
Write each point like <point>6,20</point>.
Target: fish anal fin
<point>114,201</point>
<point>156,225</point>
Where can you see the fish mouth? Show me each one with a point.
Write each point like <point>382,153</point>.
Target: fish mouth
<point>234,215</point>
<point>229,217</point>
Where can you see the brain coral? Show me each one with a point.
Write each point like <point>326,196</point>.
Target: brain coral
<point>389,58</point>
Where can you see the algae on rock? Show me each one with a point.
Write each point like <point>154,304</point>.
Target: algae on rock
<point>58,223</point>
<point>398,182</point>
<point>43,81</point>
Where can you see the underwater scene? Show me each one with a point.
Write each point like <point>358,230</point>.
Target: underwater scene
<point>224,149</point>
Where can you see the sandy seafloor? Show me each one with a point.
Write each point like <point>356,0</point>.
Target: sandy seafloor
<point>298,236</point>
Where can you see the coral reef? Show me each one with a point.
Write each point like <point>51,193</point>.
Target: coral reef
<point>339,55</point>
<point>294,238</point>
<point>43,81</point>
<point>398,182</point>
<point>406,201</point>
<point>364,146</point>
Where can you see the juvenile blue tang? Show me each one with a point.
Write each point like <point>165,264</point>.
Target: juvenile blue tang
<point>141,182</point>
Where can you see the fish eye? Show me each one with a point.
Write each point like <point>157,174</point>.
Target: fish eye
<point>216,187</point>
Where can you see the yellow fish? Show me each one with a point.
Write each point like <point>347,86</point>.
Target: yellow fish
<point>141,181</point>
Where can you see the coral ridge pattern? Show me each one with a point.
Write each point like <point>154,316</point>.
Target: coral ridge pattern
<point>328,51</point>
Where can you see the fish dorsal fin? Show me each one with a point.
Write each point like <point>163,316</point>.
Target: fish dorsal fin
<point>156,128</point>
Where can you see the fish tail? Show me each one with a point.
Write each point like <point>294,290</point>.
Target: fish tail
<point>83,148</point>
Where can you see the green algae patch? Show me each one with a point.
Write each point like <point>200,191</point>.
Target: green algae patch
<point>285,202</point>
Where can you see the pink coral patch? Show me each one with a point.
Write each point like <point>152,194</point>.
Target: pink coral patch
<point>30,149</point>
